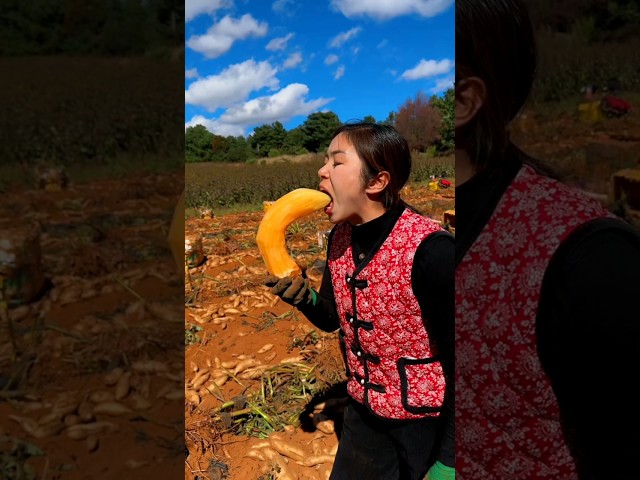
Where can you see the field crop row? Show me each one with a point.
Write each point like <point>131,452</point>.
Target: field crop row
<point>71,111</point>
<point>218,185</point>
<point>566,65</point>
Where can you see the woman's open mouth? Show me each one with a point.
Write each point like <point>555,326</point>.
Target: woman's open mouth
<point>329,208</point>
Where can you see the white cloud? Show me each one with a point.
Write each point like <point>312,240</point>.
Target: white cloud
<point>385,9</point>
<point>234,84</point>
<point>279,43</point>
<point>191,73</point>
<point>383,43</point>
<point>443,84</point>
<point>214,126</point>
<point>281,106</point>
<point>331,59</point>
<point>293,60</point>
<point>428,68</point>
<point>194,8</point>
<point>355,50</point>
<point>344,36</point>
<point>221,36</point>
<point>339,72</point>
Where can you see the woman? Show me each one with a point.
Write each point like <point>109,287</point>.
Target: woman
<point>546,281</point>
<point>388,287</point>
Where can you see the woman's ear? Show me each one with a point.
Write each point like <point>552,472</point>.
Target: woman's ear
<point>378,183</point>
<point>470,95</point>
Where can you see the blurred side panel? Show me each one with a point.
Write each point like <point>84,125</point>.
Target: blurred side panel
<point>91,170</point>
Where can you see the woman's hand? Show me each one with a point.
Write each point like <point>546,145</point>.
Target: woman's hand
<point>291,290</point>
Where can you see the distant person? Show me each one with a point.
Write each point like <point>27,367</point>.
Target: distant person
<point>547,282</point>
<point>589,91</point>
<point>388,288</point>
<point>613,106</point>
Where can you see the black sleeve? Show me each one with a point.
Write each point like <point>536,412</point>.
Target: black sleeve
<point>324,314</point>
<point>433,286</point>
<point>589,341</point>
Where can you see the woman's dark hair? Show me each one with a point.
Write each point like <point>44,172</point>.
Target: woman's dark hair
<point>495,42</point>
<point>381,148</point>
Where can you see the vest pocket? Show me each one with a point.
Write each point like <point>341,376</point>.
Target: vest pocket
<point>421,385</point>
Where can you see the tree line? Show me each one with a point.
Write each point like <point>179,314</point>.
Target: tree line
<point>593,20</point>
<point>91,27</point>
<point>426,122</point>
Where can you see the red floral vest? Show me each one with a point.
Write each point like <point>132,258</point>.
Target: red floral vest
<point>390,363</point>
<point>507,415</point>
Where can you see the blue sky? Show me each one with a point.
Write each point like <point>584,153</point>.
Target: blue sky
<point>254,62</point>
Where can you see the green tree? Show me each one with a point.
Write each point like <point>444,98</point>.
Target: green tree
<point>390,120</point>
<point>169,19</point>
<point>109,27</point>
<point>593,20</point>
<point>369,119</point>
<point>239,150</point>
<point>446,106</point>
<point>294,143</point>
<point>197,144</point>
<point>125,28</point>
<point>318,129</point>
<point>266,138</point>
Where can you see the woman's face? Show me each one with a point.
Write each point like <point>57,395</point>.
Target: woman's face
<point>341,178</point>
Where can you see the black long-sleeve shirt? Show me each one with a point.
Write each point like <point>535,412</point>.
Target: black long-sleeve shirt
<point>588,329</point>
<point>433,285</point>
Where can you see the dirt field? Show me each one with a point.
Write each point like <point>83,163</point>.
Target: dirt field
<point>585,153</point>
<point>92,369</point>
<point>256,357</point>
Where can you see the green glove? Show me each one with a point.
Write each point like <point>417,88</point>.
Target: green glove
<point>439,471</point>
<point>292,290</point>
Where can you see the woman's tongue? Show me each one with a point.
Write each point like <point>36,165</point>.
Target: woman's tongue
<point>329,208</point>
